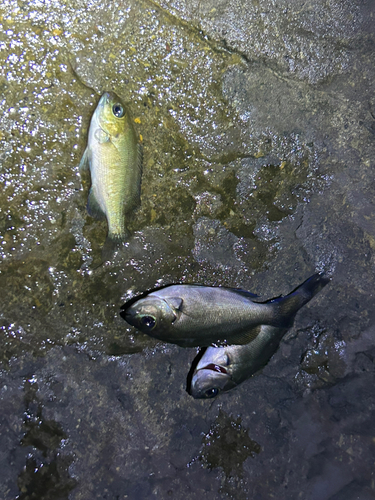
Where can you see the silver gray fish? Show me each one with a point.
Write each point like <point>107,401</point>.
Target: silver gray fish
<point>114,159</point>
<point>197,315</point>
<point>223,368</point>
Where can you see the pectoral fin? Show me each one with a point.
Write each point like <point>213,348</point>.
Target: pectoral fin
<point>175,302</point>
<point>84,164</point>
<point>101,136</point>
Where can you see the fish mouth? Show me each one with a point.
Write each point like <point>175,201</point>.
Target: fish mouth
<point>215,368</point>
<point>105,97</point>
<point>104,100</point>
<point>126,315</point>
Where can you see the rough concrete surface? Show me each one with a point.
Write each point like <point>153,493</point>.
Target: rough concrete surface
<point>258,125</point>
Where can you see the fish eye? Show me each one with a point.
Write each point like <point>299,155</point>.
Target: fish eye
<point>148,322</point>
<point>211,393</point>
<point>118,110</point>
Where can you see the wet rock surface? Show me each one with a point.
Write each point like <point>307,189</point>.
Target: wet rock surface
<point>257,120</point>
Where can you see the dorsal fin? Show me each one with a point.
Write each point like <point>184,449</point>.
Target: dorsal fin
<point>240,291</point>
<point>244,293</point>
<point>139,157</point>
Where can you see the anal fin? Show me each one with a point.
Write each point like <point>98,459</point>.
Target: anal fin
<point>243,338</point>
<point>93,207</point>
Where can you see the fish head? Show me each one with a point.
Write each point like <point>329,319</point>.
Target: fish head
<point>209,382</point>
<point>111,116</point>
<point>150,315</point>
<point>212,374</point>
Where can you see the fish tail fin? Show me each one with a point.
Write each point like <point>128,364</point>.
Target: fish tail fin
<point>113,244</point>
<point>285,308</point>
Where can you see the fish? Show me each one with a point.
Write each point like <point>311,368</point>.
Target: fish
<point>221,369</point>
<point>201,316</point>
<point>113,157</point>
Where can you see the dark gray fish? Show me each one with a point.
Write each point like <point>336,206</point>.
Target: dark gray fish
<point>223,368</point>
<point>197,315</point>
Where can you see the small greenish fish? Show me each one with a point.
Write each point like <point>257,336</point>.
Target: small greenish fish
<point>197,315</point>
<point>114,159</point>
<point>223,368</point>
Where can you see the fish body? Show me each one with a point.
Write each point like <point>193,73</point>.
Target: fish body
<point>197,315</point>
<point>114,159</point>
<point>223,368</point>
